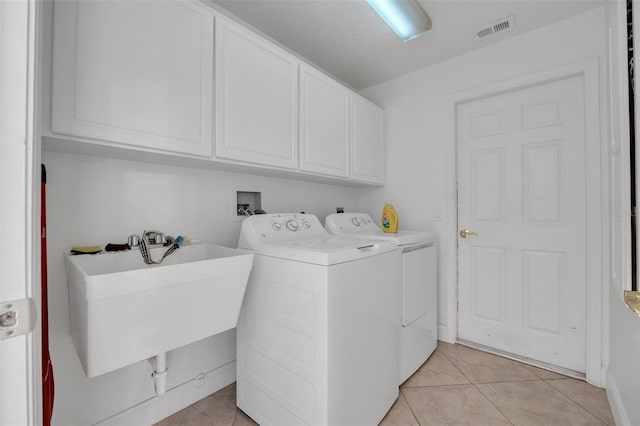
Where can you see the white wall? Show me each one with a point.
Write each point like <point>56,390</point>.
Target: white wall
<point>420,127</point>
<point>623,378</point>
<point>94,201</point>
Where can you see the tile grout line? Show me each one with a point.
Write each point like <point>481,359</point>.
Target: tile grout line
<point>454,365</point>
<point>478,389</point>
<point>435,386</point>
<point>571,400</point>
<point>472,383</point>
<point>574,401</point>
<point>505,358</point>
<point>410,408</point>
<point>491,402</point>
<point>510,381</point>
<point>539,379</point>
<point>531,371</point>
<point>235,417</point>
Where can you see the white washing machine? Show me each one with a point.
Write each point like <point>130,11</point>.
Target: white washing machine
<point>318,332</point>
<point>419,330</point>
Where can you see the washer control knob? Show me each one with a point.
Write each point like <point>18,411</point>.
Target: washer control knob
<point>276,226</point>
<point>306,225</point>
<point>355,221</point>
<point>292,225</point>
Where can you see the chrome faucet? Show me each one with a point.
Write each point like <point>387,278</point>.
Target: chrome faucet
<point>154,237</point>
<point>151,238</point>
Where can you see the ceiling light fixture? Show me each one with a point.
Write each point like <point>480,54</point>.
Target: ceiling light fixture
<point>405,17</point>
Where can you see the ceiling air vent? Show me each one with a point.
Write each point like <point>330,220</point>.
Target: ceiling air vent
<point>500,25</point>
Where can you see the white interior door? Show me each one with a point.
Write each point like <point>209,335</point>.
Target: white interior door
<point>521,190</point>
<point>20,377</point>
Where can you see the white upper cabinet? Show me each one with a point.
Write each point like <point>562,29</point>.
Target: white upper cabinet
<point>150,75</point>
<point>367,152</point>
<point>256,99</point>
<point>137,73</point>
<point>325,124</point>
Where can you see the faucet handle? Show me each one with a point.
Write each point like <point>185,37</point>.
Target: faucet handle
<point>134,241</point>
<point>154,237</point>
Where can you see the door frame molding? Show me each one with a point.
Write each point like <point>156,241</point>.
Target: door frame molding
<point>595,219</point>
<point>20,356</point>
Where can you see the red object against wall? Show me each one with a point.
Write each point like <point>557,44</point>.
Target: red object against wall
<point>48,388</point>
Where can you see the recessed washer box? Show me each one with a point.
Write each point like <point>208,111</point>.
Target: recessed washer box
<point>245,198</point>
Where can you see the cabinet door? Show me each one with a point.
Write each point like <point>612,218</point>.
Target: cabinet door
<point>257,99</point>
<point>324,124</point>
<point>134,72</point>
<point>367,150</point>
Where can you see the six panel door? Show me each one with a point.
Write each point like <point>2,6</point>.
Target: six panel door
<point>521,189</point>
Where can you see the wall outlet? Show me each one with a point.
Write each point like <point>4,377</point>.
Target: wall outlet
<point>200,380</point>
<point>437,215</point>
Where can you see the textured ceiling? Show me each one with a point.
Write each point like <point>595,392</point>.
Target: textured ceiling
<point>347,39</point>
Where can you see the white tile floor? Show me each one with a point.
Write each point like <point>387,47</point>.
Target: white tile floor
<point>456,386</point>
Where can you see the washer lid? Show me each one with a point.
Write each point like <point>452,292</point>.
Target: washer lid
<point>301,237</point>
<point>327,252</point>
<point>361,225</point>
<point>401,238</point>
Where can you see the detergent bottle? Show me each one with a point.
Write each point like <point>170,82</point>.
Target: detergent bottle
<point>389,219</point>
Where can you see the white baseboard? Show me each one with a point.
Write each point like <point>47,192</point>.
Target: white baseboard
<point>155,409</point>
<point>443,334</point>
<point>603,377</point>
<point>615,402</point>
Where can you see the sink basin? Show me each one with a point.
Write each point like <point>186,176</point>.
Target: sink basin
<point>123,311</point>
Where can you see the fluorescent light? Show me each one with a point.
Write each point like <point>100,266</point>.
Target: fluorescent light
<point>405,17</point>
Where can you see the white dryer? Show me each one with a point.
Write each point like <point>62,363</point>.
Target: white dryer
<point>318,333</point>
<point>419,330</point>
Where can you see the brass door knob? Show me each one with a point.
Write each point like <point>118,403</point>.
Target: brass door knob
<point>464,233</point>
<point>632,299</point>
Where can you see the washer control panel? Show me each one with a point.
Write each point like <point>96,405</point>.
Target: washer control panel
<point>363,220</point>
<point>274,228</point>
<point>291,224</point>
<point>351,223</point>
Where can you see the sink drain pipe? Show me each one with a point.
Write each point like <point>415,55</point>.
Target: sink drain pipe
<point>160,374</point>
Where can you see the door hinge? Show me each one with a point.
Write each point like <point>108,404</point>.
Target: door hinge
<point>17,317</point>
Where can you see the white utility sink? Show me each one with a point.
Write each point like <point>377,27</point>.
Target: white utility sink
<point>123,311</point>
